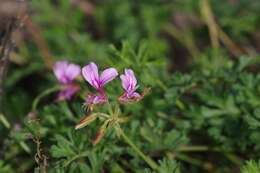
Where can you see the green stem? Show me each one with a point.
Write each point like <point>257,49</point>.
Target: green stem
<point>232,157</point>
<point>193,149</point>
<point>4,121</point>
<point>102,114</point>
<point>43,94</point>
<point>146,158</point>
<point>161,84</point>
<point>190,160</point>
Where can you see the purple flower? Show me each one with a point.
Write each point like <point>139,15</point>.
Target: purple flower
<point>68,91</point>
<point>129,83</point>
<point>90,73</point>
<point>66,73</point>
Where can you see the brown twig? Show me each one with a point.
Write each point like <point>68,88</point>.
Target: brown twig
<point>36,34</point>
<point>217,34</point>
<point>10,19</point>
<point>208,17</point>
<point>40,157</point>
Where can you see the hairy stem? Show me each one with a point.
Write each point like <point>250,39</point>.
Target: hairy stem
<point>43,94</point>
<point>146,158</point>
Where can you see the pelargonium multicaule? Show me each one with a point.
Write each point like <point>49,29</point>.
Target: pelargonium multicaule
<point>66,73</point>
<point>129,83</point>
<point>90,73</point>
<point>98,81</point>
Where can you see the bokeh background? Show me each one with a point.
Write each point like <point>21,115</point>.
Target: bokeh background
<point>199,57</point>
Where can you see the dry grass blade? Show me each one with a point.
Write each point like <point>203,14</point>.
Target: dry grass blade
<point>211,23</point>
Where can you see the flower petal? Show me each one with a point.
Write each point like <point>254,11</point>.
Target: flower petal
<point>135,95</point>
<point>68,92</point>
<point>72,71</point>
<point>129,81</point>
<point>124,81</point>
<point>108,75</point>
<point>59,69</point>
<point>131,78</point>
<point>90,73</point>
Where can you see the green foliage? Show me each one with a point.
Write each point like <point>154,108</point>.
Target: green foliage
<point>203,118</point>
<point>5,167</point>
<point>168,166</point>
<point>224,104</point>
<point>251,167</point>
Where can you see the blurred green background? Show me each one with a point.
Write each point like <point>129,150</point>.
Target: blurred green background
<point>200,58</point>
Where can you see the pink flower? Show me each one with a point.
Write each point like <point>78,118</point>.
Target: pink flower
<point>90,73</point>
<point>129,83</point>
<point>68,91</point>
<point>66,73</point>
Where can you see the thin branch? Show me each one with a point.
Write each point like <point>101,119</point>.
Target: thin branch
<point>10,13</point>
<point>208,16</point>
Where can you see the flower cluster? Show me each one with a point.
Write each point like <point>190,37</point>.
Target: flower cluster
<point>66,73</point>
